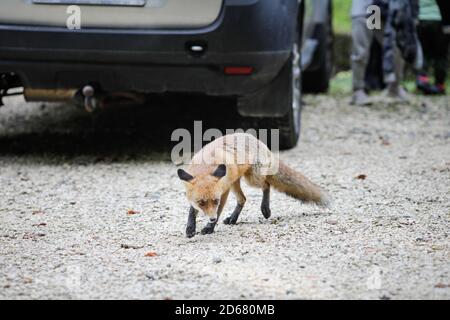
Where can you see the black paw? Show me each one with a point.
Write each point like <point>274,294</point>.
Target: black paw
<point>190,232</point>
<point>207,230</point>
<point>229,220</point>
<point>266,211</point>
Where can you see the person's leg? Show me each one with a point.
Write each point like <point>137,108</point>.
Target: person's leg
<point>423,80</point>
<point>441,47</point>
<point>399,65</point>
<point>394,88</point>
<point>444,6</point>
<point>393,63</point>
<point>361,42</point>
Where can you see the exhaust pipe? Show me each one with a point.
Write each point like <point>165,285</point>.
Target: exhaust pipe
<point>89,96</point>
<point>52,95</point>
<point>91,102</point>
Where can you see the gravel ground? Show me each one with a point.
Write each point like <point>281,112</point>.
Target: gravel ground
<point>69,181</point>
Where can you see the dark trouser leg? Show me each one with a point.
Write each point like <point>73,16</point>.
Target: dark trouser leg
<point>424,37</point>
<point>444,6</point>
<point>237,191</point>
<point>265,205</point>
<point>190,228</point>
<point>435,47</point>
<point>441,55</point>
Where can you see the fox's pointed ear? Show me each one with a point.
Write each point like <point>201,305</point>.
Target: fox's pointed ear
<point>220,172</point>
<point>183,175</point>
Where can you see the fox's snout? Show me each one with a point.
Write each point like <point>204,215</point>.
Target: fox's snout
<point>211,213</point>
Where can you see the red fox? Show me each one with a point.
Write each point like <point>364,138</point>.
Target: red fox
<point>218,168</point>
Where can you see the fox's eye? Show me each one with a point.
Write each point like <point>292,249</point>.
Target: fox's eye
<point>216,202</point>
<point>201,203</point>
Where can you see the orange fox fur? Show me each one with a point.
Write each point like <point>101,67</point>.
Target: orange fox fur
<point>218,168</point>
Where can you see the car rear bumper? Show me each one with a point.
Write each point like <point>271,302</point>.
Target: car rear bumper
<point>255,33</point>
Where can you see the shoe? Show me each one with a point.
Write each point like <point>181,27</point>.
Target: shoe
<point>403,95</point>
<point>398,93</point>
<point>360,98</point>
<point>423,84</point>
<point>438,88</point>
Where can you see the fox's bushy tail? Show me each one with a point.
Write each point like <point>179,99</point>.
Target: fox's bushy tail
<point>296,185</point>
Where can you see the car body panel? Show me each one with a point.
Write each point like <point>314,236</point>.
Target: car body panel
<point>255,33</point>
<point>248,32</point>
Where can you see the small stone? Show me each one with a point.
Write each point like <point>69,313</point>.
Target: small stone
<point>290,292</point>
<point>437,247</point>
<point>217,260</point>
<point>27,280</point>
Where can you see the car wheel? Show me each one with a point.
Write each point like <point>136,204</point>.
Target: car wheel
<point>288,125</point>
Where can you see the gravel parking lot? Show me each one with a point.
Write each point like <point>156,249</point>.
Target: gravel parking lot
<point>91,207</point>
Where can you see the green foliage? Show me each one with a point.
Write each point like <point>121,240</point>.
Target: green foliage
<point>341,84</point>
<point>341,16</point>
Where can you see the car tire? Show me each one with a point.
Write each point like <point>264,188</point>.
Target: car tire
<point>319,79</point>
<point>288,125</point>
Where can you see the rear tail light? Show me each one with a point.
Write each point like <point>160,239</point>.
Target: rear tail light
<point>242,71</point>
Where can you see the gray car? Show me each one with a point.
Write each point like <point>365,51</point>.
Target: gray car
<point>88,50</point>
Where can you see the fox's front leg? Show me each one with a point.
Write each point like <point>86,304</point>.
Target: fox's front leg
<point>237,191</point>
<point>190,228</point>
<point>209,228</point>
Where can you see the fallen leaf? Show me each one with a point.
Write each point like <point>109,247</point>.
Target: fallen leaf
<point>361,177</point>
<point>151,254</point>
<point>132,212</point>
